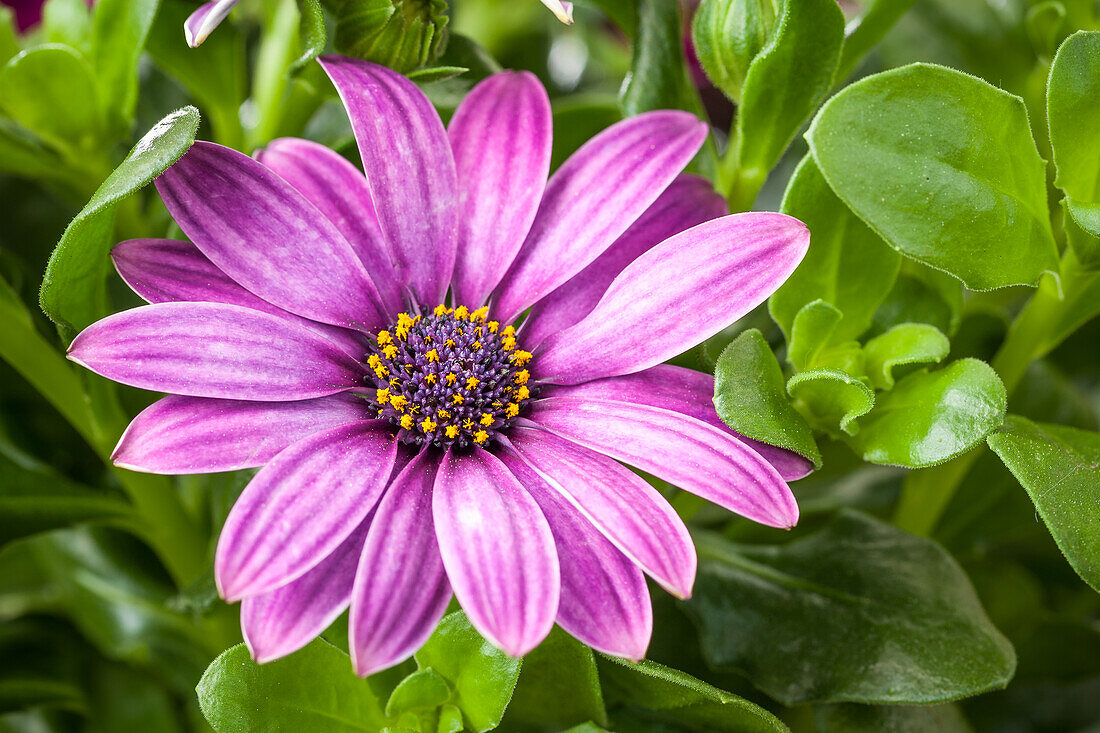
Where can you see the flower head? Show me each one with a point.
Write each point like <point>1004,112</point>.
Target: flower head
<point>440,364</point>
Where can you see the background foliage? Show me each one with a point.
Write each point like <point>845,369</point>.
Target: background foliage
<point>935,356</point>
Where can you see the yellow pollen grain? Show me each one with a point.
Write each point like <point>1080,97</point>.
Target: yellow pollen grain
<point>427,424</point>
<point>407,422</point>
<point>480,437</point>
<point>520,357</point>
<point>399,401</point>
<point>462,312</point>
<point>522,393</point>
<point>384,338</point>
<point>432,355</point>
<point>486,419</point>
<point>522,377</point>
<point>472,382</point>
<point>457,399</point>
<point>451,431</point>
<point>373,361</point>
<point>389,350</point>
<point>449,342</point>
<point>509,343</point>
<point>509,331</point>
<point>511,410</point>
<point>493,326</point>
<point>381,372</point>
<point>443,414</point>
<point>475,345</point>
<point>441,310</point>
<point>451,379</point>
<point>481,313</point>
<point>468,424</point>
<point>431,379</point>
<point>395,381</point>
<point>382,396</point>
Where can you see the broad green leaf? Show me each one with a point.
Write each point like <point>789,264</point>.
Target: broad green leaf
<point>1073,99</point>
<point>811,331</point>
<point>313,689</point>
<point>73,289</point>
<point>1060,469</point>
<point>931,417</point>
<point>657,79</point>
<point>728,35</point>
<point>877,18</point>
<point>1085,245</point>
<point>750,397</point>
<point>921,295</point>
<point>786,81</point>
<point>558,687</point>
<point>421,690</point>
<point>832,399</point>
<point>67,22</point>
<point>22,155</point>
<point>906,343</point>
<point>847,265</point>
<point>859,611</point>
<point>651,693</point>
<point>481,676</point>
<point>50,90</point>
<point>850,718</point>
<point>943,166</point>
<point>118,39</point>
<point>311,31</point>
<point>34,499</point>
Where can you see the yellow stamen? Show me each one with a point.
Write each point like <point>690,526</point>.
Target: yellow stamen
<point>522,377</point>
<point>486,419</point>
<point>481,313</point>
<point>462,312</point>
<point>389,350</point>
<point>480,437</point>
<point>451,431</point>
<point>493,326</point>
<point>384,338</point>
<point>522,393</point>
<point>407,422</point>
<point>451,379</point>
<point>457,399</point>
<point>520,357</point>
<point>443,414</point>
<point>399,401</point>
<point>430,379</point>
<point>432,355</point>
<point>508,343</point>
<point>427,424</point>
<point>382,396</point>
<point>509,331</point>
<point>441,310</point>
<point>472,382</point>
<point>511,410</point>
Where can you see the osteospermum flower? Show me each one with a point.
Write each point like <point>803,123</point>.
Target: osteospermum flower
<point>363,339</point>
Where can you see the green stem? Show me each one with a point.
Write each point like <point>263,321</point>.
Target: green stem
<point>739,185</point>
<point>927,492</point>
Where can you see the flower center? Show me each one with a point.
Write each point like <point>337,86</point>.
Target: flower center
<point>448,378</point>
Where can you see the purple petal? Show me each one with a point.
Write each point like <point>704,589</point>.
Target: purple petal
<point>500,136</point>
<point>214,350</point>
<point>681,450</point>
<point>401,589</point>
<point>265,235</point>
<point>677,294</point>
<point>409,168</point>
<point>183,435</point>
<point>171,270</point>
<point>201,23</point>
<point>563,10</point>
<point>604,599</point>
<point>340,191</point>
<point>284,620</point>
<point>594,197</point>
<point>689,200</point>
<point>681,390</point>
<point>498,551</point>
<point>624,507</point>
<point>300,507</point>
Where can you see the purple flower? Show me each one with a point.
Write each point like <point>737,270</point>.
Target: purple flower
<point>411,448</point>
<point>201,23</point>
<point>28,13</point>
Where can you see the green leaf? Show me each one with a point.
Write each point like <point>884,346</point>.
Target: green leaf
<point>751,398</point>
<point>728,35</point>
<point>34,499</point>
<point>811,331</point>
<point>921,295</point>
<point>313,689</point>
<point>436,73</point>
<point>1060,469</point>
<point>942,165</point>
<point>877,18</point>
<point>847,265</point>
<point>558,687</point>
<point>73,288</point>
<point>311,31</point>
<point>403,35</point>
<point>421,690</point>
<point>931,417</point>
<point>652,693</point>
<point>786,82</point>
<point>859,611</point>
<point>1085,245</point>
<point>1073,98</point>
<point>50,90</point>
<point>22,155</point>
<point>67,22</point>
<point>1043,23</point>
<point>657,78</point>
<point>906,343</point>
<point>831,398</point>
<point>214,73</point>
<point>849,718</point>
<point>118,39</point>
<point>481,676</point>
